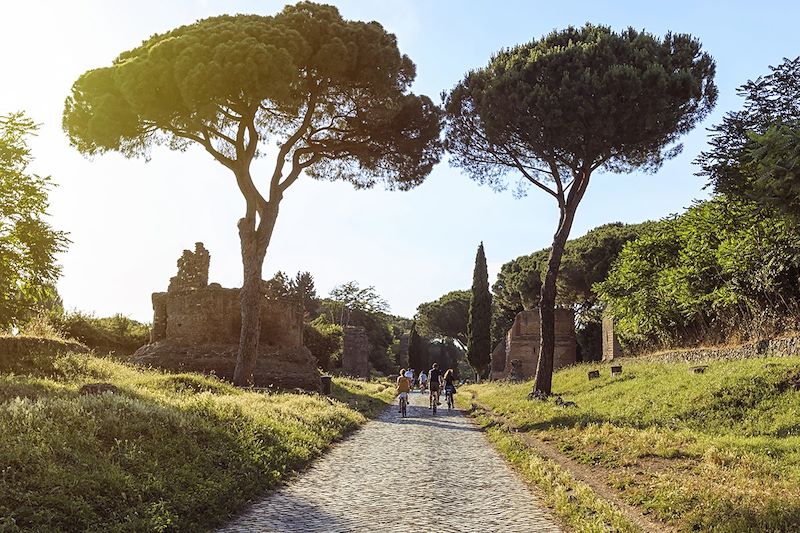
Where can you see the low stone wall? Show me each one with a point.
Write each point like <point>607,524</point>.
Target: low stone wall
<point>281,368</point>
<point>779,347</point>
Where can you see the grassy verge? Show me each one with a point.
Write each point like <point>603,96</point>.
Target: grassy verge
<point>168,453</point>
<point>717,451</point>
<point>574,502</point>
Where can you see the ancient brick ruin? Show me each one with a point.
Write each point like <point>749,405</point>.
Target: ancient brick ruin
<point>196,327</point>
<point>521,352</point>
<point>611,346</point>
<point>498,360</point>
<point>355,352</point>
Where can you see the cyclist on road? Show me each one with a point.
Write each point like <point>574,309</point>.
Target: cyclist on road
<point>409,374</point>
<point>435,382</point>
<point>449,383</point>
<point>403,388</point>
<point>423,381</point>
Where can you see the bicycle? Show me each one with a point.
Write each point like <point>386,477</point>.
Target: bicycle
<point>448,393</point>
<point>433,401</point>
<point>403,406</point>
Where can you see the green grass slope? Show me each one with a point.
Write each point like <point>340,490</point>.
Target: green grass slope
<point>718,451</point>
<point>169,453</point>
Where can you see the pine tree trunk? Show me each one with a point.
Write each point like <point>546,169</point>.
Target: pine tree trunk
<point>547,302</point>
<point>254,243</point>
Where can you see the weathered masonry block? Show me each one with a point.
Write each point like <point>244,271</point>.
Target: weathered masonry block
<point>499,360</point>
<point>523,343</point>
<point>196,327</point>
<point>355,352</point>
<point>611,346</point>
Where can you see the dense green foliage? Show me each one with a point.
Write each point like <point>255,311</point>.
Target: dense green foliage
<point>300,288</point>
<point>554,110</point>
<point>351,305</point>
<point>578,99</point>
<point>754,154</point>
<point>720,270</point>
<point>479,342</point>
<point>350,298</point>
<point>177,452</point>
<point>445,317</point>
<point>586,261</point>
<point>115,334</point>
<point>324,340</point>
<point>718,451</point>
<point>28,244</point>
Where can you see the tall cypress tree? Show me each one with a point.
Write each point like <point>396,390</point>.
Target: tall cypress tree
<point>416,357</point>
<point>480,317</point>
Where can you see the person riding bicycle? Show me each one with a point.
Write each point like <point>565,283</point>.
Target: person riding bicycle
<point>435,382</point>
<point>449,383</point>
<point>409,374</point>
<point>423,381</point>
<point>403,387</point>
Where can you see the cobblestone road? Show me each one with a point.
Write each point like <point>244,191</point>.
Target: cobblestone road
<point>422,474</point>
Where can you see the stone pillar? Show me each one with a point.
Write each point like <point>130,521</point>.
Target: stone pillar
<point>159,331</point>
<point>523,340</point>
<point>499,360</point>
<point>355,352</point>
<point>566,352</point>
<point>611,347</point>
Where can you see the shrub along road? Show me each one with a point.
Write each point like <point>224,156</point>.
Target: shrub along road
<point>422,473</point>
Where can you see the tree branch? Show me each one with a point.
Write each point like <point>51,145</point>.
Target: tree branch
<point>275,189</point>
<point>205,142</point>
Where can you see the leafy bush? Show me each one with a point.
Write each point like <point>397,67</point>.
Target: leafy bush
<point>720,270</point>
<point>116,334</point>
<point>325,342</point>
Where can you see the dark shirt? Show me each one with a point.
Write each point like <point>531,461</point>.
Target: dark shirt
<point>434,375</point>
<point>449,380</point>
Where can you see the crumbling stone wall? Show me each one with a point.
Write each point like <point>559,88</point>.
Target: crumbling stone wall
<point>196,326</point>
<point>213,315</point>
<point>192,269</point>
<point>355,352</point>
<point>611,346</point>
<point>499,360</point>
<point>523,340</point>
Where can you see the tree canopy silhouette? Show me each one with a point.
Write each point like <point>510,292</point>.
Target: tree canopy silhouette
<point>333,94</point>
<point>555,110</point>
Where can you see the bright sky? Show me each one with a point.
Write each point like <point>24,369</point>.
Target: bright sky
<point>129,220</point>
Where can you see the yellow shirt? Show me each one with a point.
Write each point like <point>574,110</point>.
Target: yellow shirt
<point>403,385</point>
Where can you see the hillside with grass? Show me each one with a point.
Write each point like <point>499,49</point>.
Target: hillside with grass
<point>712,451</point>
<point>165,452</point>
